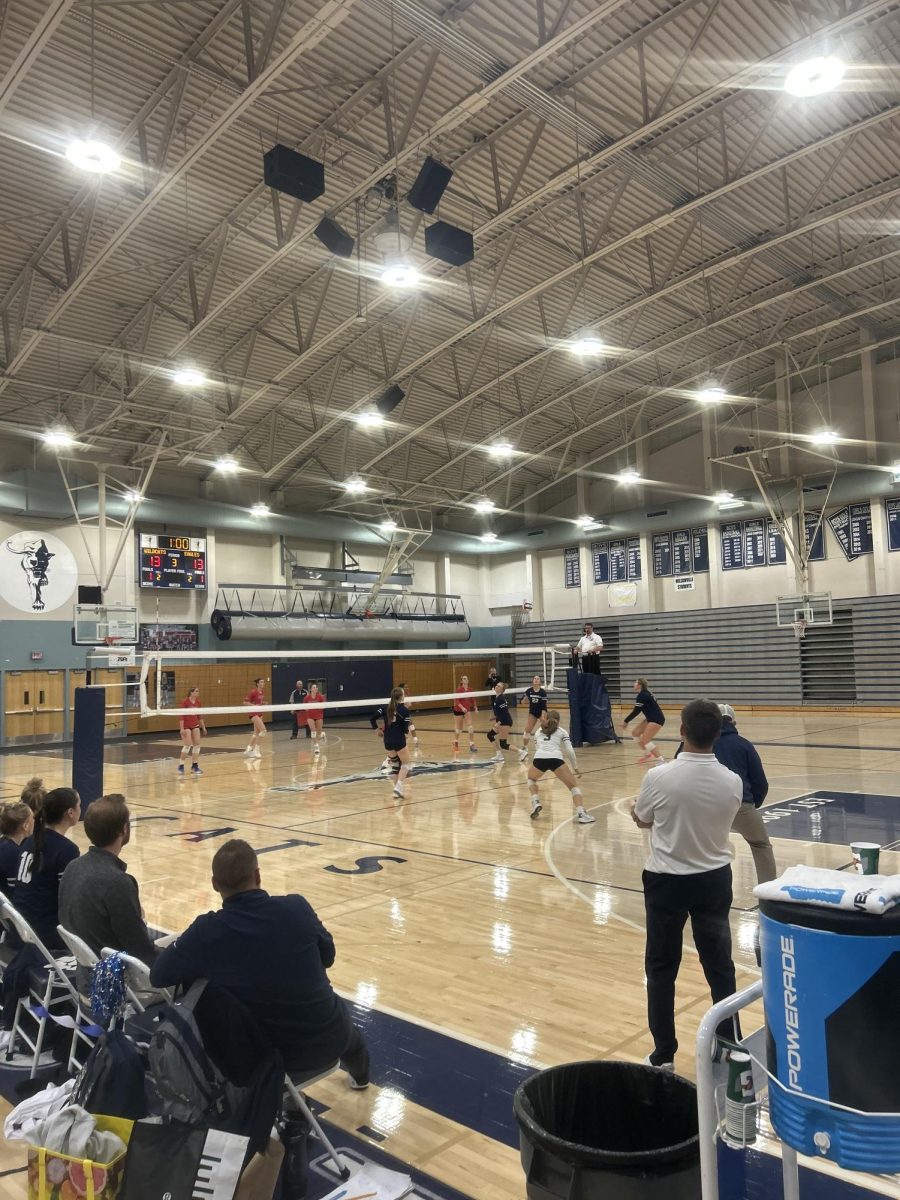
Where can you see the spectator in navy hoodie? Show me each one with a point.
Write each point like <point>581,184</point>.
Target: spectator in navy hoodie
<point>742,757</point>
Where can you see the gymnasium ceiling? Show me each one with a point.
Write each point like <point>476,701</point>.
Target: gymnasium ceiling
<point>631,169</point>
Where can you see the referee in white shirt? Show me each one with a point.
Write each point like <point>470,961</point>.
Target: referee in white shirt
<point>688,805</point>
<point>587,649</point>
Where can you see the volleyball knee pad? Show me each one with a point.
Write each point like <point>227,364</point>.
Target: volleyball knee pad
<point>491,736</point>
<point>504,744</point>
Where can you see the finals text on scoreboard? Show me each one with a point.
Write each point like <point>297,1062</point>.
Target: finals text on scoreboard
<point>172,561</point>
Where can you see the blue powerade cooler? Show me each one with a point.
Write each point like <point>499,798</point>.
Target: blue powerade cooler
<point>831,987</point>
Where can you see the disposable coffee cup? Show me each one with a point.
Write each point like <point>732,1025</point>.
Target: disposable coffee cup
<point>865,857</point>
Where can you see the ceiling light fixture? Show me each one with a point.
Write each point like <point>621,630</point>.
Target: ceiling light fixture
<point>488,537</point>
<point>501,450</point>
<point>587,347</point>
<point>132,497</point>
<point>355,486</point>
<point>88,154</point>
<point>227,465</point>
<point>189,377</point>
<point>260,510</point>
<point>58,437</point>
<point>711,395</point>
<point>368,418</point>
<point>586,522</point>
<point>629,475</point>
<point>814,76</point>
<point>388,526</point>
<point>401,275</point>
<point>825,437</point>
<point>484,505</point>
<point>723,497</point>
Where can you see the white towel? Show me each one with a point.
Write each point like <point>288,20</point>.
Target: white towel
<point>833,889</point>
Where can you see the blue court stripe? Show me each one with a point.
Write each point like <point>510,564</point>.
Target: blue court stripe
<point>464,1083</point>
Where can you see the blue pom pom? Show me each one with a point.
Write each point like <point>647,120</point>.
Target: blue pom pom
<point>108,990</point>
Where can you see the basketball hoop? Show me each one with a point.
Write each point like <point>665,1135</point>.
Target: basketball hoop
<point>111,641</point>
<point>799,628</point>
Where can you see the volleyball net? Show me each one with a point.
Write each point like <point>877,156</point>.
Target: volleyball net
<point>350,683</point>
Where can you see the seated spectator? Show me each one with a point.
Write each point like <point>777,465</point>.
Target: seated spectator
<point>45,855</point>
<point>16,824</point>
<point>34,793</point>
<point>98,899</point>
<point>270,952</point>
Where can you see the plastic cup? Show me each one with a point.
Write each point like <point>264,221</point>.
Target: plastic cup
<point>865,857</point>
<point>740,1100</point>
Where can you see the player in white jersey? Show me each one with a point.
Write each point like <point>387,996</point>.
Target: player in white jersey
<point>553,752</point>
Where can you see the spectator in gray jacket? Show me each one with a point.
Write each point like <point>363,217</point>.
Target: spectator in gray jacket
<point>99,900</point>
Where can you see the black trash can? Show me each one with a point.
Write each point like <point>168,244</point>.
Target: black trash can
<point>608,1131</point>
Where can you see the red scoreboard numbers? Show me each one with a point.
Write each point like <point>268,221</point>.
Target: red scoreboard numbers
<point>172,561</point>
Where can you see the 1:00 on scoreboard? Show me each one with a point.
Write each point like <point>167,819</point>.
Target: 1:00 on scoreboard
<point>172,561</point>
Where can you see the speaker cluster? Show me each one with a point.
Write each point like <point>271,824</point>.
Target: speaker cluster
<point>303,178</point>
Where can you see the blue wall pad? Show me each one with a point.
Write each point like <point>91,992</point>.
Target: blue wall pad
<point>87,744</point>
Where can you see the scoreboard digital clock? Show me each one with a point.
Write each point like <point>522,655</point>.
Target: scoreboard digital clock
<point>172,561</point>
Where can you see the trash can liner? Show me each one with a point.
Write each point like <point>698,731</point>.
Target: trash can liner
<point>614,1114</point>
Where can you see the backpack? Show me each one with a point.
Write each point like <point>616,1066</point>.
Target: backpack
<point>212,1067</point>
<point>111,1082</point>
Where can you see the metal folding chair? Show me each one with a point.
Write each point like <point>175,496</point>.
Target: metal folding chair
<point>50,993</point>
<point>294,1087</point>
<point>137,979</point>
<point>85,957</point>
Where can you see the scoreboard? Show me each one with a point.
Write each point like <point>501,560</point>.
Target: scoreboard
<point>172,561</point>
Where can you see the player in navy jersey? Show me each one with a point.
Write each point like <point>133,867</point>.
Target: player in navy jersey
<point>395,724</point>
<point>536,699</point>
<point>45,855</point>
<point>502,723</point>
<point>650,720</point>
<point>16,824</point>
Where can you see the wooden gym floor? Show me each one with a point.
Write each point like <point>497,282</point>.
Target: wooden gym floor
<point>453,910</point>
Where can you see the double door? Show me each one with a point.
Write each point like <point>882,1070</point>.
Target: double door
<point>34,706</point>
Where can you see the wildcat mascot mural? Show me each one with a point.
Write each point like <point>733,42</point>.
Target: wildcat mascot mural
<point>47,584</point>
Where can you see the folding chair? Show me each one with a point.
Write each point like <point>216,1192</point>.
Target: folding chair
<point>85,957</point>
<point>137,979</point>
<point>50,993</point>
<point>293,1088</point>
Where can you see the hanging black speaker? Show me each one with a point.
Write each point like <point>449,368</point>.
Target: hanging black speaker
<point>337,240</point>
<point>431,182</point>
<point>449,244</point>
<point>387,402</point>
<point>294,174</point>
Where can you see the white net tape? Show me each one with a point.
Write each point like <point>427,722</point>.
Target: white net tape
<point>157,661</point>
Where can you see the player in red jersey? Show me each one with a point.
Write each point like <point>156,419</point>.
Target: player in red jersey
<point>254,697</point>
<point>463,707</point>
<point>315,717</point>
<point>192,727</point>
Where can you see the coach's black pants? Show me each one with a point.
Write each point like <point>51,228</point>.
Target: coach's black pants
<point>669,900</point>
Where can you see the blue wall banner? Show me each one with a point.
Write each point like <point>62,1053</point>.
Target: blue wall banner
<point>755,543</point>
<point>815,545</point>
<point>633,554</point>
<point>600,561</point>
<point>700,545</point>
<point>840,527</point>
<point>775,547</point>
<point>861,529</point>
<point>892,515</point>
<point>732,537</point>
<point>572,560</point>
<point>618,562</point>
<point>662,554</point>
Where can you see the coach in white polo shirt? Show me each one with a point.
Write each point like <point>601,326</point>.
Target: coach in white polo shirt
<point>587,649</point>
<point>688,805</point>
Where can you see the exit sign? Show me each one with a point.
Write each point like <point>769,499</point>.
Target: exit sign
<point>37,655</point>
